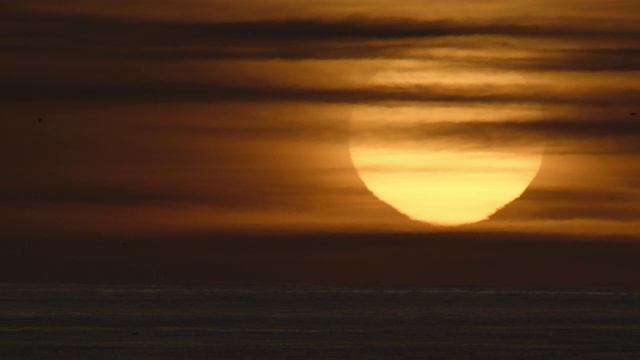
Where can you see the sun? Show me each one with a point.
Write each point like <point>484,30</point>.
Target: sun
<point>428,161</point>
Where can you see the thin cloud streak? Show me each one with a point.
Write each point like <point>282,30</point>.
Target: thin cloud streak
<point>15,91</point>
<point>613,136</point>
<point>291,38</point>
<point>504,133</point>
<point>308,28</point>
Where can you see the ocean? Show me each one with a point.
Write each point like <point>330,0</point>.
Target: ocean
<point>317,322</point>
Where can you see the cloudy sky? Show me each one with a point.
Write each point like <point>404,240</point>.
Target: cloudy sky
<point>126,122</point>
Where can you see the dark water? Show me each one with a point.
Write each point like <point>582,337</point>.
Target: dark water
<point>317,322</point>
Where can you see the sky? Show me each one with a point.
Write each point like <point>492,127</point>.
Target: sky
<point>211,140</point>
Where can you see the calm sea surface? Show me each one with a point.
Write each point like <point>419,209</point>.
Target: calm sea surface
<point>317,322</point>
